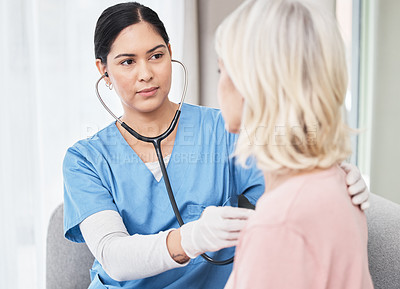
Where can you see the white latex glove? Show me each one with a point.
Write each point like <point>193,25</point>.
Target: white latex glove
<point>217,228</point>
<point>357,187</point>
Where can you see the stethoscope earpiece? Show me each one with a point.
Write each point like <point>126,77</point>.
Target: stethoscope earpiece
<point>106,74</point>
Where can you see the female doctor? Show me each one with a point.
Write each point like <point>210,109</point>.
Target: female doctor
<point>114,199</point>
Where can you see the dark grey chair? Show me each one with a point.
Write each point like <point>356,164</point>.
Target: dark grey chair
<point>383,219</point>
<point>67,263</point>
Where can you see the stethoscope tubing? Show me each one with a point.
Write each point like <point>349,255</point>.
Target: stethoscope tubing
<point>156,141</point>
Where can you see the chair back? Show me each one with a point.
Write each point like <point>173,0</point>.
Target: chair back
<point>67,263</point>
<point>383,218</point>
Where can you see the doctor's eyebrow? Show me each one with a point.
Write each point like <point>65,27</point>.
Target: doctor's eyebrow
<point>133,55</point>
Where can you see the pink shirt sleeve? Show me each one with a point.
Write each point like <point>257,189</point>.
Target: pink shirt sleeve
<point>273,257</point>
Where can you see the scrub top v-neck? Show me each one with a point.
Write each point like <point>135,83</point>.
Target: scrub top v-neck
<point>105,173</point>
<point>121,138</point>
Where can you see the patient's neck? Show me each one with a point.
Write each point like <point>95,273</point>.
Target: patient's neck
<point>273,180</point>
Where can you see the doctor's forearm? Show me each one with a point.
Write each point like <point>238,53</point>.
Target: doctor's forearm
<point>124,257</point>
<point>174,247</point>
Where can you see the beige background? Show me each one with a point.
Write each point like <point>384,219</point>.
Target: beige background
<point>381,157</point>
<point>211,13</point>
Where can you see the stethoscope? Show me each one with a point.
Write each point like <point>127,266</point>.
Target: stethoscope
<point>156,141</point>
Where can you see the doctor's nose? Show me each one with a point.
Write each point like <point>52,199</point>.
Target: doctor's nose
<point>144,72</point>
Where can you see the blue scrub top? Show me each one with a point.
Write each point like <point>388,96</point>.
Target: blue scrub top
<point>104,173</point>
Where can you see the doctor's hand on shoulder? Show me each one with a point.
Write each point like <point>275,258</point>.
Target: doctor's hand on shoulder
<point>357,187</point>
<point>217,228</point>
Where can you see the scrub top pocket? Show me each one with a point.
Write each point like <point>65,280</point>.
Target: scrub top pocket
<point>193,212</point>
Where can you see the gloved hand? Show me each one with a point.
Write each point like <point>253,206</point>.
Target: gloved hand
<point>217,228</point>
<point>357,187</point>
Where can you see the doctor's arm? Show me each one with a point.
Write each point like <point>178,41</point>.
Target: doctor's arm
<point>125,257</point>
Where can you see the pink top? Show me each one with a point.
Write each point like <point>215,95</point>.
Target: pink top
<point>305,234</point>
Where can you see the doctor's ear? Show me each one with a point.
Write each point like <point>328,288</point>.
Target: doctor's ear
<point>169,49</point>
<point>101,67</point>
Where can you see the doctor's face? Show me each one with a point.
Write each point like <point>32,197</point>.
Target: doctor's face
<point>230,101</point>
<point>139,67</point>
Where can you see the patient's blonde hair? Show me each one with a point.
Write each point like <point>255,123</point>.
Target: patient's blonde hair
<point>287,59</point>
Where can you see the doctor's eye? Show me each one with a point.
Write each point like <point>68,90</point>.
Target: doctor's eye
<point>127,62</point>
<point>157,56</point>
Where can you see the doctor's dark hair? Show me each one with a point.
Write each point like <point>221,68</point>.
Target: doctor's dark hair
<point>116,18</point>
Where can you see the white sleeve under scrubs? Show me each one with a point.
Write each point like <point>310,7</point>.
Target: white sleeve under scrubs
<point>104,173</point>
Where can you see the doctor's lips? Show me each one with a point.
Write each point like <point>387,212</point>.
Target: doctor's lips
<point>148,91</point>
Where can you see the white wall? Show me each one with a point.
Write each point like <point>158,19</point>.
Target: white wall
<point>385,135</point>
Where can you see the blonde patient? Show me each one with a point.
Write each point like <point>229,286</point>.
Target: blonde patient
<point>283,80</point>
